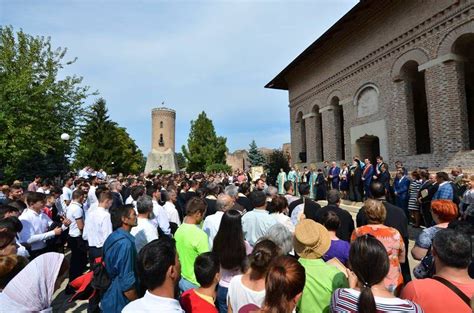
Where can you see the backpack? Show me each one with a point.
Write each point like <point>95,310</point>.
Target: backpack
<point>100,279</point>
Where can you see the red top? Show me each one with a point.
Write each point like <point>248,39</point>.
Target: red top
<point>191,302</point>
<point>435,297</point>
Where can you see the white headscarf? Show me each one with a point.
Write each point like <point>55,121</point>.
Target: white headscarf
<point>32,289</point>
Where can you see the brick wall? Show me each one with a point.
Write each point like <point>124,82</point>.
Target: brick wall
<point>384,38</point>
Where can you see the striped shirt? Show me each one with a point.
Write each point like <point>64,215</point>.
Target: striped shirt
<point>345,300</point>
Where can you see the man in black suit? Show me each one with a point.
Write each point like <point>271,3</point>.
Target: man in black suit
<point>191,191</point>
<point>346,227</point>
<point>396,218</point>
<point>310,208</point>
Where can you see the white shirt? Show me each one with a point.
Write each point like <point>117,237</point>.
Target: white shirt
<point>151,303</point>
<point>255,224</point>
<point>66,196</point>
<point>97,227</point>
<point>74,212</point>
<point>129,200</point>
<point>240,295</point>
<point>144,232</point>
<point>211,226</point>
<point>285,220</point>
<point>35,229</point>
<point>160,218</point>
<point>91,197</point>
<point>41,190</point>
<point>172,213</point>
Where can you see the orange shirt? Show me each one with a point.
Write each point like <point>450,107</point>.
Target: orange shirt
<point>393,243</point>
<point>434,297</point>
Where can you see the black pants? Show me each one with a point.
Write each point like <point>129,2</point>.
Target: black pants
<point>93,306</point>
<point>78,248</point>
<point>36,253</point>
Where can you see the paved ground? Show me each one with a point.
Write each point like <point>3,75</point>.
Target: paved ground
<point>61,304</point>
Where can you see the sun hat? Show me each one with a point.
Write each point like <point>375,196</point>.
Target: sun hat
<point>311,240</point>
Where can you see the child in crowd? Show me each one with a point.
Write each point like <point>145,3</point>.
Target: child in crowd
<point>201,300</point>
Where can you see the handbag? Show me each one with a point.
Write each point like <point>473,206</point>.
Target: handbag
<point>426,267</point>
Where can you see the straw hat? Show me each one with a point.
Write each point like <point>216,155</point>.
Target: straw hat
<point>311,239</point>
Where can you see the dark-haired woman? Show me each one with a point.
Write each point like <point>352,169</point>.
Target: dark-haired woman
<point>247,292</point>
<point>369,263</point>
<point>283,286</point>
<point>231,248</point>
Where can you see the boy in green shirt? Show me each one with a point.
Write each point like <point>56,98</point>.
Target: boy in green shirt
<point>191,241</point>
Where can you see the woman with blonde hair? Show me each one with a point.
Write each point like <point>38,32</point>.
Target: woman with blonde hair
<point>389,237</point>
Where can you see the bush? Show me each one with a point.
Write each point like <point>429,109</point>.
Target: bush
<point>217,168</point>
<point>161,172</point>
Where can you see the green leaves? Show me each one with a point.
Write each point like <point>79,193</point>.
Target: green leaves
<point>204,146</point>
<point>105,145</point>
<point>36,107</point>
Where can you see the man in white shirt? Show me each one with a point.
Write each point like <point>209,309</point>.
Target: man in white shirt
<point>160,218</point>
<point>91,197</point>
<point>145,231</point>
<point>98,226</point>
<point>159,270</point>
<point>212,222</point>
<point>36,224</point>
<point>66,196</point>
<point>170,208</point>
<point>256,223</point>
<point>78,246</point>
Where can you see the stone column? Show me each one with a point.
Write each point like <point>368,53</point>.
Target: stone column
<point>317,137</point>
<point>403,119</point>
<point>310,138</point>
<point>447,111</point>
<point>330,138</point>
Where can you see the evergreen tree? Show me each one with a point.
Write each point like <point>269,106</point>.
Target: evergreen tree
<point>103,144</point>
<point>256,158</point>
<point>36,106</point>
<point>276,161</point>
<point>180,159</point>
<point>204,146</point>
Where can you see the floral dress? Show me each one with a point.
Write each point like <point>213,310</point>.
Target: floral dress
<point>393,243</point>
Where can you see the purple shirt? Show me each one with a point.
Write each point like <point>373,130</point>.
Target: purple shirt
<point>339,249</point>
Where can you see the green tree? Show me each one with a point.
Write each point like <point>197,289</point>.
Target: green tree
<point>276,161</point>
<point>204,146</point>
<point>36,106</point>
<point>256,157</point>
<point>103,144</point>
<point>180,159</point>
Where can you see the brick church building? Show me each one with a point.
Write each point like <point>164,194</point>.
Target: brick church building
<point>390,78</point>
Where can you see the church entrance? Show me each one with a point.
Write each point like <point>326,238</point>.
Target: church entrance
<point>368,146</point>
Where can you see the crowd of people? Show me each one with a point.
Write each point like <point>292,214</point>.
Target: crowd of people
<point>194,242</point>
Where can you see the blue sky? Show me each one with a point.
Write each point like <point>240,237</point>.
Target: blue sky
<point>214,56</point>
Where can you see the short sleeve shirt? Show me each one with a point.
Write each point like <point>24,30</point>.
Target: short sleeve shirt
<point>74,212</point>
<point>191,241</point>
<point>425,238</point>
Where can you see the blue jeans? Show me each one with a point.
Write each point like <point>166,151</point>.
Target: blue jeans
<point>222,299</point>
<point>185,284</point>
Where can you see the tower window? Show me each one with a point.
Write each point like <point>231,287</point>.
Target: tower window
<point>161,124</point>
<point>161,143</point>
